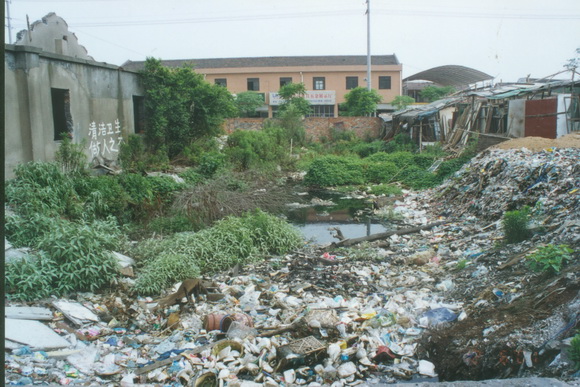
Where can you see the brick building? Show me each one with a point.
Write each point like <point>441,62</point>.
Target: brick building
<point>327,78</point>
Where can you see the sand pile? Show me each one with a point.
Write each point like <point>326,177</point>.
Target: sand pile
<point>571,140</point>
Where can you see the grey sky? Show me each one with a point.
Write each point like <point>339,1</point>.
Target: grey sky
<point>507,39</point>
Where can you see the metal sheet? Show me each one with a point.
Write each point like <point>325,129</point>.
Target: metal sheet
<point>541,118</point>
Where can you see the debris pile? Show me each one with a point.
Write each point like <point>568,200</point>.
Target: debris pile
<point>443,301</point>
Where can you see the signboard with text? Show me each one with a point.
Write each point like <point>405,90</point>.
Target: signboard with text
<point>316,97</point>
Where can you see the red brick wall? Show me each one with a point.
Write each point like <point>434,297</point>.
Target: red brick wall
<point>317,127</point>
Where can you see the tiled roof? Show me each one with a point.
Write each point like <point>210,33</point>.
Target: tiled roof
<point>274,61</point>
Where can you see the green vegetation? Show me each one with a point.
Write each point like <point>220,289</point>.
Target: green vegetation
<point>549,258</point>
<point>293,96</point>
<point>247,102</point>
<point>386,189</point>
<point>402,101</point>
<point>574,351</point>
<point>224,212</point>
<point>516,225</point>
<point>434,93</point>
<point>181,107</point>
<point>230,241</point>
<point>360,102</point>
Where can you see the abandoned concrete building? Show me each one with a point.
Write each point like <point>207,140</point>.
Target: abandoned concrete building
<point>54,88</point>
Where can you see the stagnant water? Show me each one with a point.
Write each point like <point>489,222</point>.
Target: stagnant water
<point>351,215</point>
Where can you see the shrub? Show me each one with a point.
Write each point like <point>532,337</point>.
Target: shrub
<point>365,149</point>
<point>400,143</point>
<point>515,225</point>
<point>210,163</point>
<point>71,157</point>
<point>417,178</point>
<point>191,176</point>
<point>166,225</point>
<point>102,196</point>
<point>132,157</point>
<point>72,256</point>
<point>169,268</point>
<point>386,189</point>
<point>137,187</point>
<point>574,351</point>
<point>549,258</point>
<point>254,149</point>
<point>30,278</point>
<point>230,241</point>
<point>381,172</point>
<point>334,170</point>
<point>40,187</point>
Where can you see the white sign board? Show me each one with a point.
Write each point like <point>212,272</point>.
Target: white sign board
<point>315,97</point>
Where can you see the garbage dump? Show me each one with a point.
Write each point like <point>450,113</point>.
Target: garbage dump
<point>443,302</point>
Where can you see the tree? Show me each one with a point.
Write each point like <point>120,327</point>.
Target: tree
<point>360,102</point>
<point>293,95</point>
<point>247,102</point>
<point>181,107</point>
<point>434,93</point>
<point>292,111</point>
<point>402,101</point>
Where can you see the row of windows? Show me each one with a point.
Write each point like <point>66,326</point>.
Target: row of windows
<point>318,83</point>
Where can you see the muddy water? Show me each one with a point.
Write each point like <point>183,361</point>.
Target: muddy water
<point>324,210</point>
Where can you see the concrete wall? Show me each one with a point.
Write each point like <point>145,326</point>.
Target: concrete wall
<point>318,128</point>
<point>101,105</point>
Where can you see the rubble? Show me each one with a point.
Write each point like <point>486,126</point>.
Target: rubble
<point>444,302</point>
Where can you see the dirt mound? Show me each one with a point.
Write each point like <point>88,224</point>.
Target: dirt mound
<point>571,140</point>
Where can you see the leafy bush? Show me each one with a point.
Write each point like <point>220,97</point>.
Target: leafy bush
<point>191,176</point>
<point>381,172</point>
<point>43,188</point>
<point>132,156</point>
<point>72,256</point>
<point>254,149</point>
<point>334,170</point>
<point>169,268</point>
<point>365,149</point>
<point>230,241</point>
<point>400,143</point>
<point>386,189</point>
<point>549,258</point>
<point>574,351</point>
<point>137,187</point>
<point>166,225</point>
<point>515,225</point>
<point>30,278</point>
<point>210,163</point>
<point>71,157</point>
<point>102,196</point>
<point>417,178</point>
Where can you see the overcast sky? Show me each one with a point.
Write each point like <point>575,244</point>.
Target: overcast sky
<point>507,39</point>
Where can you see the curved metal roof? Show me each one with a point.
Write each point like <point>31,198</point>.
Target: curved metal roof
<point>450,75</point>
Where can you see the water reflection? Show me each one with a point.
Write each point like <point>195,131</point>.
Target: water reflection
<point>351,215</point>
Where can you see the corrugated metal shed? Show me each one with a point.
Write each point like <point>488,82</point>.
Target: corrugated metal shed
<point>451,75</point>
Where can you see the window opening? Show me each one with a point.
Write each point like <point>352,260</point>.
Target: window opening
<point>61,116</point>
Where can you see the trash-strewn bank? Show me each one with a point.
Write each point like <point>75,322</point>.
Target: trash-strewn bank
<point>447,303</point>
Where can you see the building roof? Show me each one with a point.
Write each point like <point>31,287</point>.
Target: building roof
<point>274,61</point>
<point>451,75</point>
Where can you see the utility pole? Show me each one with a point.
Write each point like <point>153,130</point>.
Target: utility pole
<point>9,25</point>
<point>369,45</point>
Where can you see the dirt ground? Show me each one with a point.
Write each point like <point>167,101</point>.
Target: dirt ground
<point>571,140</point>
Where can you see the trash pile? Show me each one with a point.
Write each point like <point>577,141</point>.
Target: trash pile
<point>436,301</point>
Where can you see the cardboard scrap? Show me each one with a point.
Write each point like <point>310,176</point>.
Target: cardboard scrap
<point>75,312</point>
<point>34,334</point>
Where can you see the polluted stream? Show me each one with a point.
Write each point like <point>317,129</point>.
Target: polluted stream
<point>320,214</point>
<point>448,302</point>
